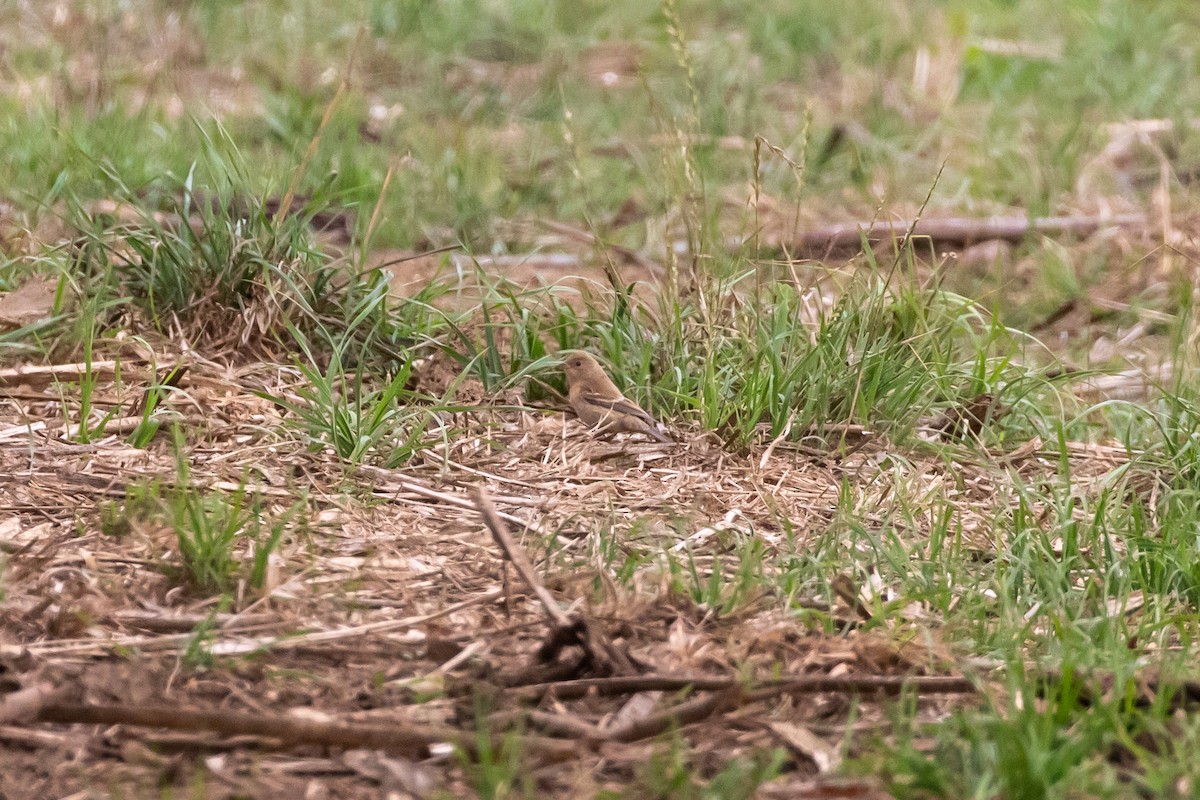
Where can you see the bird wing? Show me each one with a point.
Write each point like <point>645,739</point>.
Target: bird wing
<point>620,405</point>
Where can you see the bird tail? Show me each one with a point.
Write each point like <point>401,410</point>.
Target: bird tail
<point>659,435</point>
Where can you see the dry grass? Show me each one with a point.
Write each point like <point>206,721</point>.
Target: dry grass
<point>842,609</point>
<point>392,606</point>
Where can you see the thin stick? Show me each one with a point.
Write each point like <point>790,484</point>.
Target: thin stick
<point>398,484</point>
<point>409,740</point>
<point>565,629</point>
<point>804,684</point>
<point>230,646</point>
<point>554,724</point>
<point>491,518</point>
<point>15,736</point>
<point>37,375</point>
<point>958,229</point>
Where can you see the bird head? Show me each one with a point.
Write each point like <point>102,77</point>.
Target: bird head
<point>580,366</point>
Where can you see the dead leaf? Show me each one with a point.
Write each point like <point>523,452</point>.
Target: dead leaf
<point>637,707</point>
<point>14,537</point>
<point>394,774</point>
<point>805,743</point>
<point>32,301</point>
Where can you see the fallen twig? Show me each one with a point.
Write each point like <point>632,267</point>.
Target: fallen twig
<point>726,694</point>
<point>565,629</point>
<point>956,229</point>
<point>802,684</point>
<point>520,563</point>
<point>409,740</point>
<point>396,483</point>
<point>39,375</point>
<point>163,622</point>
<point>554,724</point>
<point>29,739</point>
<point>96,647</point>
<point>863,684</point>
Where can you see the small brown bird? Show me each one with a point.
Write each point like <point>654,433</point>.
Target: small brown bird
<point>599,404</point>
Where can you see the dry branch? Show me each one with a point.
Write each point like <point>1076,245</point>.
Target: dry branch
<point>161,622</point>
<point>38,375</point>
<point>16,736</point>
<point>729,695</point>
<point>396,484</point>
<point>565,629</point>
<point>957,229</point>
<point>94,647</point>
<point>560,725</point>
<point>520,562</point>
<point>409,740</point>
<point>802,684</point>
